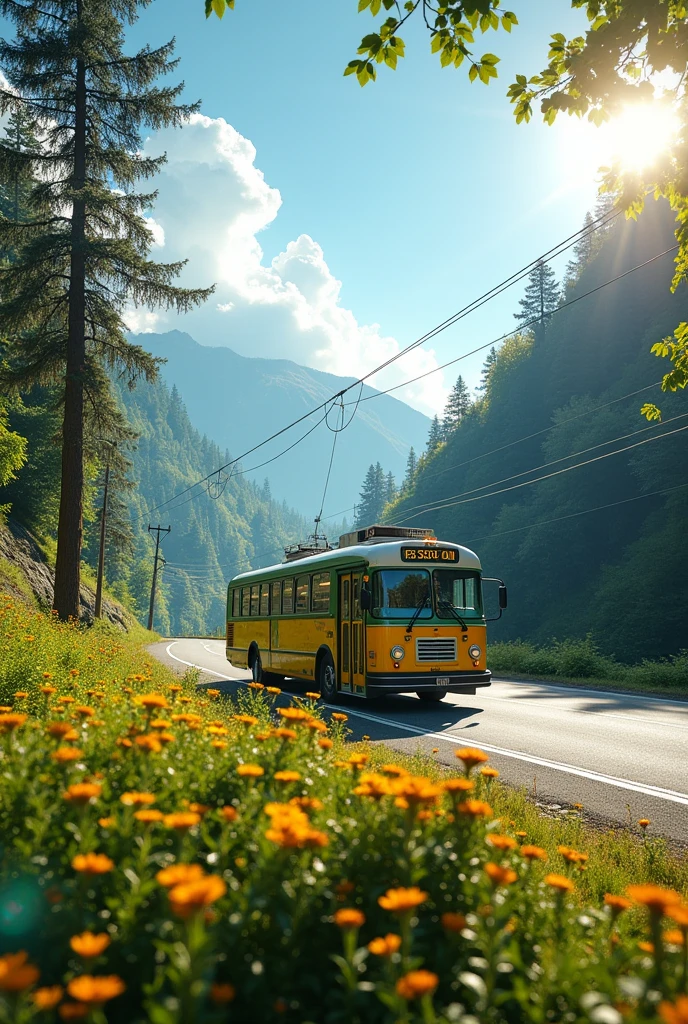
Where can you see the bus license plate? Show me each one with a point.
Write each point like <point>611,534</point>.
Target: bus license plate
<point>442,680</point>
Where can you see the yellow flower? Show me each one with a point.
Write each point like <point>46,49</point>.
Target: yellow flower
<point>21,695</point>
<point>160,723</point>
<point>153,700</point>
<point>47,998</point>
<point>385,946</point>
<point>294,714</point>
<point>312,696</point>
<point>64,754</point>
<point>453,922</point>
<point>398,901</point>
<point>251,771</point>
<point>285,734</point>
<point>247,720</point>
<point>149,743</point>
<point>643,822</point>
<point>217,730</point>
<point>179,874</point>
<point>325,743</point>
<point>213,693</point>
<point>475,808</point>
<point>222,993</point>
<point>416,984</point>
<point>148,815</point>
<point>219,744</point>
<point>107,822</point>
<point>499,875</point>
<point>489,773</point>
<point>287,776</point>
<point>182,820</point>
<point>460,785</point>
<point>274,690</point>
<point>137,799</point>
<point>349,917</point>
<point>16,974</point>
<point>47,691</point>
<point>471,756</point>
<point>189,897</point>
<point>82,792</point>
<point>560,882</point>
<point>94,991</point>
<point>89,945</point>
<point>373,785</point>
<point>92,863</point>
<point>84,711</point>
<point>256,686</point>
<point>337,716</point>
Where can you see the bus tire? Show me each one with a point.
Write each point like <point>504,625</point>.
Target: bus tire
<point>255,664</point>
<point>326,677</point>
<point>432,695</point>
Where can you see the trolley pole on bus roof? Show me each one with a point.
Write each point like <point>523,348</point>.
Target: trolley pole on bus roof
<point>157,530</point>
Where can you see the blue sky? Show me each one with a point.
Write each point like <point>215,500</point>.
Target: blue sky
<point>420,189</point>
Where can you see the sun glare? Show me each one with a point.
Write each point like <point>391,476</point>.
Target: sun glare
<point>640,135</point>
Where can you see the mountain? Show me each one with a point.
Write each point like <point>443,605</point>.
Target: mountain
<point>238,401</point>
<point>601,548</point>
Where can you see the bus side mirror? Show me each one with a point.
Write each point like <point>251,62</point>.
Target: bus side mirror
<point>502,597</point>
<point>366,600</point>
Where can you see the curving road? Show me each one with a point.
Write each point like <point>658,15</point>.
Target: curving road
<point>622,756</point>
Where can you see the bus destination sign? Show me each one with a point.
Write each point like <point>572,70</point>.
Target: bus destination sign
<point>429,554</point>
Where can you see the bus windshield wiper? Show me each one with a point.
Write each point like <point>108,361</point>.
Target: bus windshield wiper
<point>425,601</point>
<point>450,607</point>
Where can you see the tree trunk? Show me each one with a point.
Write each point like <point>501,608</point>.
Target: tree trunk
<point>70,523</point>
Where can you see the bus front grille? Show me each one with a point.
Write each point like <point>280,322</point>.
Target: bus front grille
<point>435,649</point>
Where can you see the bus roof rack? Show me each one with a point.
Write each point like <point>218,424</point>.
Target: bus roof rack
<point>377,534</point>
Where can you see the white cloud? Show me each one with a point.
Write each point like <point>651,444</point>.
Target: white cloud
<point>213,202</point>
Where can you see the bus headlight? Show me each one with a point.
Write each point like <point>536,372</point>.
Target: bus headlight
<point>474,652</point>
<point>397,653</point>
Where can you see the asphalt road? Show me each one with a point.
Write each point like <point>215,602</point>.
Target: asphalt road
<point>622,756</point>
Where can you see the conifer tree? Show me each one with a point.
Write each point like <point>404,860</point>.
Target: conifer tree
<point>411,467</point>
<point>372,497</point>
<point>15,190</point>
<point>458,404</point>
<point>490,361</point>
<point>541,297</point>
<point>83,252</point>
<point>435,436</point>
<point>390,488</point>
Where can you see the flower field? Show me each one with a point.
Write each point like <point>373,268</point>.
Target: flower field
<point>173,856</point>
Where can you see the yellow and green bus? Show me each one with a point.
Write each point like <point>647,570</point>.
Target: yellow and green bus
<point>391,610</point>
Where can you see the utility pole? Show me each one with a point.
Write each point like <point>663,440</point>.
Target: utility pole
<point>157,530</point>
<point>103,519</point>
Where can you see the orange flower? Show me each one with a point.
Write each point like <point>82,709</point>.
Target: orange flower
<point>416,984</point>
<point>250,771</point>
<point>560,882</point>
<point>219,744</point>
<point>165,737</point>
<point>213,693</point>
<point>190,897</point>
<point>679,914</point>
<point>182,820</point>
<point>217,730</point>
<point>92,863</point>
<point>47,998</point>
<point>73,1011</point>
<point>95,991</point>
<point>325,743</point>
<point>373,785</point>
<point>106,822</point>
<point>416,789</point>
<point>337,716</point>
<point>274,690</point>
<point>10,722</point>
<point>179,874</point>
<point>256,686</point>
<point>675,1013</point>
<point>471,756</point>
<point>646,947</point>
<point>489,773</point>
<point>294,714</point>
<point>82,792</point>
<point>247,720</point>
<point>84,711</point>
<point>533,853</point>
<point>48,690</point>
<point>159,723</point>
<point>674,936</point>
<point>307,803</point>
<point>644,822</point>
<point>499,875</point>
<point>285,734</point>
<point>175,688</point>
<point>21,695</point>
<point>198,808</point>
<point>67,699</point>
<point>287,776</point>
<point>453,922</point>
<point>571,855</point>
<point>386,945</point>
<point>222,993</point>
<point>398,901</point>
<point>16,974</point>
<point>89,945</point>
<point>149,815</point>
<point>137,799</point>
<point>617,903</point>
<point>153,700</point>
<point>349,917</point>
<point>312,696</point>
<point>149,743</point>
<point>229,813</point>
<point>457,785</point>
<point>657,900</point>
<point>64,754</point>
<point>475,808</point>
<point>502,842</point>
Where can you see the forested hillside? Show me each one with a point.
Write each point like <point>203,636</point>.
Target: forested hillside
<point>601,548</point>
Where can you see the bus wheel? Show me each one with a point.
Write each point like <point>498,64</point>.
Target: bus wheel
<point>257,668</point>
<point>327,679</point>
<point>433,695</point>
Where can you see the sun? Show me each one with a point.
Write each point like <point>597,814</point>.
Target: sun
<point>640,135</point>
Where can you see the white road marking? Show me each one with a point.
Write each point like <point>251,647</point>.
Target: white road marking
<point>583,711</point>
<point>543,762</point>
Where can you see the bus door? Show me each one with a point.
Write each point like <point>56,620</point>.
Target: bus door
<point>351,635</point>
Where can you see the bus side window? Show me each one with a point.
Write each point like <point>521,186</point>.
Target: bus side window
<point>302,587</point>
<point>276,598</point>
<point>357,601</point>
<point>345,599</point>
<point>264,599</point>
<point>320,595</point>
<point>288,597</point>
<point>246,601</point>
<point>255,597</point>
<point>236,603</point>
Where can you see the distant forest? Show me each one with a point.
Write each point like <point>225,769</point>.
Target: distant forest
<point>600,549</point>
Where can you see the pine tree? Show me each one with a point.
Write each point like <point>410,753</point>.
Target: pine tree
<point>372,497</point>
<point>83,252</point>
<point>435,437</point>
<point>390,488</point>
<point>490,361</point>
<point>15,191</point>
<point>541,298</point>
<point>582,252</point>
<point>411,467</point>
<point>458,404</point>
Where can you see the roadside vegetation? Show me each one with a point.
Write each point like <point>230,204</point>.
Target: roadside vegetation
<point>580,661</point>
<point>170,855</point>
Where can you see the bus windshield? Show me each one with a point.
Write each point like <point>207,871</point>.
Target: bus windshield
<point>397,593</point>
<point>458,589</point>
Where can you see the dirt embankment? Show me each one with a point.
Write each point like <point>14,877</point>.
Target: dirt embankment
<point>26,575</point>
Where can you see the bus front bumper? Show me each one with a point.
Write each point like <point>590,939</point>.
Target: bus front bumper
<point>412,682</point>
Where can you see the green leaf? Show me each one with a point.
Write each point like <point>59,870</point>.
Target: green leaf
<point>473,72</point>
<point>219,7</point>
<point>489,58</point>
<point>650,412</point>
